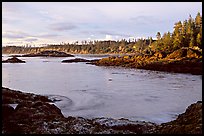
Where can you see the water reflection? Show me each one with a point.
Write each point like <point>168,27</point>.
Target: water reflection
<point>92,91</point>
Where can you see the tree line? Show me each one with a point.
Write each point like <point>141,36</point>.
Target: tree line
<point>185,34</point>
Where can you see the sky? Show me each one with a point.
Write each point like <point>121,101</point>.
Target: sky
<point>39,23</point>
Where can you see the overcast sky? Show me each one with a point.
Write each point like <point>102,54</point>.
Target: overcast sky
<point>52,22</point>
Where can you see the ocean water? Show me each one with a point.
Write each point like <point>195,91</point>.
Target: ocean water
<point>91,91</point>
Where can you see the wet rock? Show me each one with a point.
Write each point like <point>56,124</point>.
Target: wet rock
<point>13,60</point>
<point>38,116</point>
<point>10,96</point>
<point>189,122</point>
<point>75,60</point>
<point>137,127</point>
<point>7,111</point>
<point>79,60</point>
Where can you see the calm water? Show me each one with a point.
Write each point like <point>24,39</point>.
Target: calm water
<point>91,91</point>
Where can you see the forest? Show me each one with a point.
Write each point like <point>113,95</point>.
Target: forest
<point>186,34</point>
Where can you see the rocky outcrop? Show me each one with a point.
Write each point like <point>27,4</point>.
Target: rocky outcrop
<point>180,61</point>
<point>184,53</point>
<point>13,60</point>
<point>189,122</point>
<point>47,53</point>
<point>15,97</point>
<point>35,114</point>
<point>77,60</point>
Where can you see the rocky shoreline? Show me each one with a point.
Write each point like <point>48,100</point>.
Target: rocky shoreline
<point>185,60</point>
<point>27,113</point>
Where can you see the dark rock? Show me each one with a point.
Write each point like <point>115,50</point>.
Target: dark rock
<point>79,60</point>
<point>13,60</point>
<point>37,116</point>
<point>75,60</point>
<point>15,55</point>
<point>189,122</point>
<point>7,111</point>
<point>10,96</point>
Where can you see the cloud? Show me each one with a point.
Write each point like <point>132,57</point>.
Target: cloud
<point>62,26</point>
<point>14,35</point>
<point>14,43</point>
<point>145,20</point>
<point>11,7</point>
<point>109,37</point>
<point>48,35</point>
<point>58,21</point>
<point>113,33</point>
<point>31,39</point>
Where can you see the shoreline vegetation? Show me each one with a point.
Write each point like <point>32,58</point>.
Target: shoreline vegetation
<point>179,51</point>
<point>184,60</point>
<point>28,113</point>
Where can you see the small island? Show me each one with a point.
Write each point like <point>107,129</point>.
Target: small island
<point>78,60</point>
<point>13,60</point>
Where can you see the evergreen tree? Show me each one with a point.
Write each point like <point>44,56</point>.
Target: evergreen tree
<point>199,40</point>
<point>167,42</point>
<point>177,36</point>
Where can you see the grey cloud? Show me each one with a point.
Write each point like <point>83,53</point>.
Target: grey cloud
<point>14,42</point>
<point>5,20</point>
<point>62,26</point>
<point>48,35</point>
<point>11,36</point>
<point>11,7</point>
<point>31,39</point>
<point>14,35</point>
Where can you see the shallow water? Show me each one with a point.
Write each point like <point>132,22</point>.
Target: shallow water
<point>89,91</point>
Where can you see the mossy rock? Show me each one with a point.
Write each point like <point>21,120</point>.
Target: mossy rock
<point>192,53</point>
<point>185,52</point>
<point>177,54</point>
<point>160,54</point>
